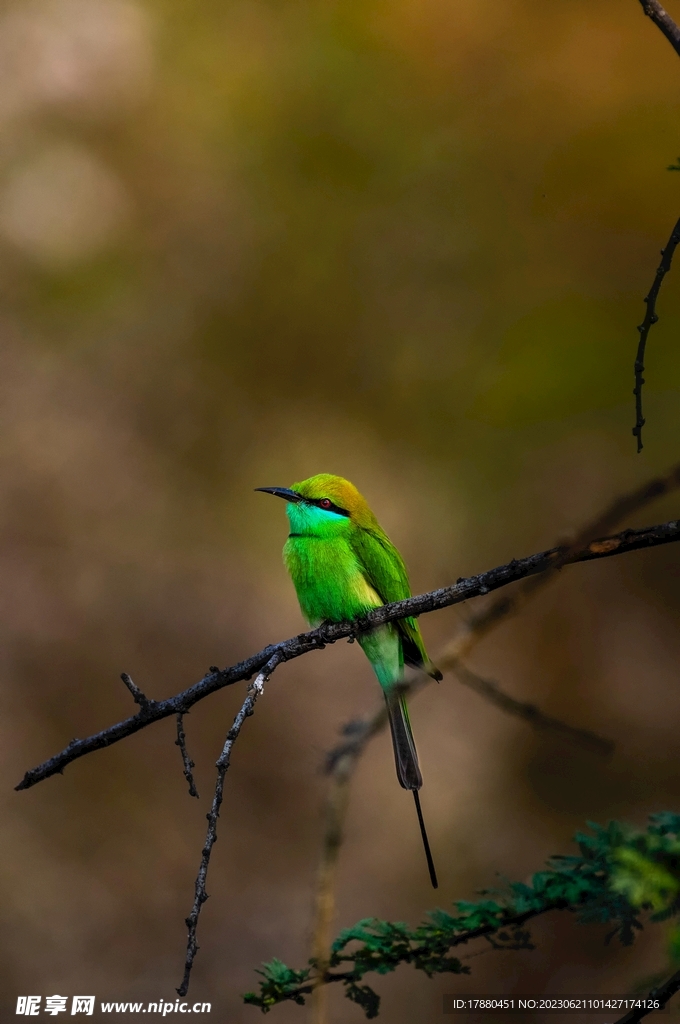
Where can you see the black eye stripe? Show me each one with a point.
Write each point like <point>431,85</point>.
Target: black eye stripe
<point>328,508</point>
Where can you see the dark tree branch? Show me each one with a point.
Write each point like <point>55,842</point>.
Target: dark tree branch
<point>663,21</point>
<point>661,271</point>
<point>181,742</point>
<point>247,709</point>
<point>317,639</point>
<point>663,993</point>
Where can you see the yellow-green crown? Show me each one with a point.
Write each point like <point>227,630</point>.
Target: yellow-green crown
<point>342,493</point>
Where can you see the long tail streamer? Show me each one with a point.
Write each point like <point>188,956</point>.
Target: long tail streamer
<point>426,843</point>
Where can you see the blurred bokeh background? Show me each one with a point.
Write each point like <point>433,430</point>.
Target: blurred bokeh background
<point>246,241</point>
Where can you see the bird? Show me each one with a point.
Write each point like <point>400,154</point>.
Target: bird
<point>343,564</point>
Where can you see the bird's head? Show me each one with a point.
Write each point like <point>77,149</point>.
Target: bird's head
<point>324,504</point>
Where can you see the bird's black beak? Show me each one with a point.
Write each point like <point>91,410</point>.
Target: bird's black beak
<point>282,492</point>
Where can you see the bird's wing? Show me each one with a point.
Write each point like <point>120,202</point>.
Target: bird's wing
<point>384,569</point>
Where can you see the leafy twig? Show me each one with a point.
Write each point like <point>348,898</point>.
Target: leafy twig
<point>582,883</point>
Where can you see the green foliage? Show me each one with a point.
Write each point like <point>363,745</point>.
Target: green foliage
<point>278,979</point>
<point>642,880</point>
<point>647,873</point>
<point>617,874</point>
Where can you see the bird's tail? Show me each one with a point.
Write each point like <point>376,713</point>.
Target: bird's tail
<point>405,756</point>
<point>406,760</point>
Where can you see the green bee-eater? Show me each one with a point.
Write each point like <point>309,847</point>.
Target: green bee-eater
<point>343,564</point>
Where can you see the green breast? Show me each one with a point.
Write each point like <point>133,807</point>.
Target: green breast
<point>328,579</point>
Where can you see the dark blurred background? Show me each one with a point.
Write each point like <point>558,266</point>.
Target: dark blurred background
<point>246,241</point>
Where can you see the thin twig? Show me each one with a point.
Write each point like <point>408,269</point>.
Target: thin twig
<point>181,742</point>
<point>222,764</point>
<point>663,21</point>
<point>317,639</point>
<point>650,299</point>
<point>662,993</point>
<point>671,30</point>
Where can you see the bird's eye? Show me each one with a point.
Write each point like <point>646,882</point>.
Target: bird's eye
<point>325,503</point>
